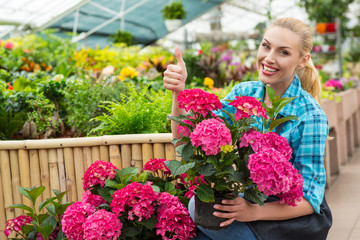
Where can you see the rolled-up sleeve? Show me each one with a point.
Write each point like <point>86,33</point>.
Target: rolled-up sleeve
<point>312,132</point>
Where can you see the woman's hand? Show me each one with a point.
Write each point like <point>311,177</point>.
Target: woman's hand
<point>237,209</point>
<point>175,75</point>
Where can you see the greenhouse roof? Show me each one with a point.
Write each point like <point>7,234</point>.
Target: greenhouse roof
<point>91,22</point>
<point>95,20</point>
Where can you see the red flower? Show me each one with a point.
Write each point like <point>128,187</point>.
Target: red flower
<point>10,87</point>
<point>9,45</point>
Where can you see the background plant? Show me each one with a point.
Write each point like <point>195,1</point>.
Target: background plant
<point>140,112</point>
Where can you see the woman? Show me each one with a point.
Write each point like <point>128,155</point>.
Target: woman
<point>284,64</point>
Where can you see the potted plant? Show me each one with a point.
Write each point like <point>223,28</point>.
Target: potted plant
<point>226,155</point>
<point>173,13</point>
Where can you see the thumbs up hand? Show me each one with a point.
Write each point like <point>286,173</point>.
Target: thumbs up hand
<point>175,75</point>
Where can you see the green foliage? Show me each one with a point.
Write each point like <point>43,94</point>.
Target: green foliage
<point>82,99</point>
<point>327,10</point>
<point>123,37</point>
<point>43,222</point>
<point>10,123</point>
<point>140,112</point>
<point>42,114</point>
<point>174,10</point>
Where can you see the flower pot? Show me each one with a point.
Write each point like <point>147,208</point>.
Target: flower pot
<point>321,28</point>
<point>173,24</point>
<point>204,216</point>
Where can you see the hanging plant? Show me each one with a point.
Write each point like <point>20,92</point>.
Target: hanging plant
<point>174,10</point>
<point>123,37</point>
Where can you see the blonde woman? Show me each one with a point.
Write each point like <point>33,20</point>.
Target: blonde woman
<point>284,64</point>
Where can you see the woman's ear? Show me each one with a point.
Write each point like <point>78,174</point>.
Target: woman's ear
<point>304,60</point>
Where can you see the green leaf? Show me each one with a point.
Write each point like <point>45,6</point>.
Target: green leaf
<point>282,102</point>
<point>130,232</point>
<point>105,193</point>
<point>25,191</point>
<point>229,159</point>
<point>27,229</point>
<point>207,170</point>
<point>271,93</point>
<point>45,231</point>
<point>255,196</point>
<point>35,193</point>
<point>155,188</point>
<point>61,195</point>
<point>127,171</point>
<point>177,168</point>
<point>205,193</point>
<point>277,122</point>
<point>143,176</point>
<point>57,192</point>
<point>61,235</point>
<point>185,150</point>
<point>236,177</point>
<point>169,187</point>
<point>110,183</point>
<point>45,203</point>
<point>50,221</point>
<point>149,223</point>
<point>220,187</point>
<point>51,209</point>
<point>22,206</point>
<point>212,160</point>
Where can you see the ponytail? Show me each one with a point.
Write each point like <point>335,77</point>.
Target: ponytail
<point>310,80</point>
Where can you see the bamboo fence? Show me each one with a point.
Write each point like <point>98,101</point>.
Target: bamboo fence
<point>60,164</point>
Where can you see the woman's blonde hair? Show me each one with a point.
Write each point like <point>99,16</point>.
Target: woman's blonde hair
<point>309,77</point>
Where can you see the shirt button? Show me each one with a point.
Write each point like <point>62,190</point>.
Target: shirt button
<point>316,178</point>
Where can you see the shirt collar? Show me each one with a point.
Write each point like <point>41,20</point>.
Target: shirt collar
<point>293,90</point>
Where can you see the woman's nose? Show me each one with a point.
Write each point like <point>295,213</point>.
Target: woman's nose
<point>270,57</point>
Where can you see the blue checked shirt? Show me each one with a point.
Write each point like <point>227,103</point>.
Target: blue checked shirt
<point>307,136</point>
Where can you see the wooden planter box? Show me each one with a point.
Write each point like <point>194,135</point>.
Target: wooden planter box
<point>60,164</point>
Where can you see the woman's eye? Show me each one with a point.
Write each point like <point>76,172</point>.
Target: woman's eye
<point>265,46</point>
<point>284,53</point>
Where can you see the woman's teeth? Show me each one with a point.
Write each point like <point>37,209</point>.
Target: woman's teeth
<point>269,69</point>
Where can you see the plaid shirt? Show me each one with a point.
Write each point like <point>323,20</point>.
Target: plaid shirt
<point>307,136</point>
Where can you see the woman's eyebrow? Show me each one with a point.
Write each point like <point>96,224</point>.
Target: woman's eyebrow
<point>279,47</point>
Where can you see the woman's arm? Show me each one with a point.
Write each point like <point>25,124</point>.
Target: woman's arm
<point>174,80</point>
<point>241,210</point>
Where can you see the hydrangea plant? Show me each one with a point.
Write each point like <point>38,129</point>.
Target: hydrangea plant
<point>230,154</point>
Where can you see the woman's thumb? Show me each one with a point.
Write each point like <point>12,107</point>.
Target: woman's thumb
<point>180,60</point>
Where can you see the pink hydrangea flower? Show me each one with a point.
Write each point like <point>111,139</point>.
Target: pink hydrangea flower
<point>258,141</point>
<point>102,225</point>
<point>275,175</point>
<point>15,224</point>
<point>93,200</point>
<point>73,218</point>
<point>199,101</point>
<point>252,137</point>
<point>182,130</point>
<point>191,185</point>
<point>211,134</point>
<point>140,199</point>
<point>157,164</point>
<point>334,83</point>
<point>247,106</point>
<point>174,221</point>
<point>98,172</point>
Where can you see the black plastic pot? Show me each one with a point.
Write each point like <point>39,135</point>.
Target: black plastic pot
<point>204,216</point>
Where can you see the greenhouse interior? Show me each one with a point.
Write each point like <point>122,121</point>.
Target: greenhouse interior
<point>118,117</point>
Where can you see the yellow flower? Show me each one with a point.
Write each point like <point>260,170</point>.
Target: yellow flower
<point>209,82</point>
<point>227,148</point>
<point>128,72</point>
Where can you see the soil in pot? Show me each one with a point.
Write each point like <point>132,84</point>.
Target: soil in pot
<point>204,214</point>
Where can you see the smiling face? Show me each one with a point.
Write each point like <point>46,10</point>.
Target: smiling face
<point>279,57</point>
